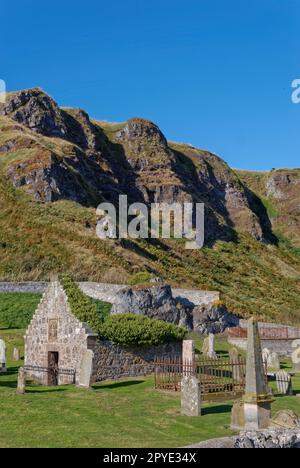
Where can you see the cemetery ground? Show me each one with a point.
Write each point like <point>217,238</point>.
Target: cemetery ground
<point>124,413</point>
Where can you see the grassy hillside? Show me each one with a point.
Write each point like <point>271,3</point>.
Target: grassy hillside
<point>37,240</point>
<point>57,164</point>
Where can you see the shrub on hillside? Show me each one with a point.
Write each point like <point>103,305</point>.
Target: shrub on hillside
<point>142,277</point>
<point>131,329</point>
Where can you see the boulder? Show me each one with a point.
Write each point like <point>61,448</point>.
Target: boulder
<point>155,302</point>
<point>213,318</point>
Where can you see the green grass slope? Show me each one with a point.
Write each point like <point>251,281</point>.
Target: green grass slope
<point>37,240</point>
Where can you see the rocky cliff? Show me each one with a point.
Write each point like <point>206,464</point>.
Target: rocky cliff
<point>59,153</point>
<point>57,164</point>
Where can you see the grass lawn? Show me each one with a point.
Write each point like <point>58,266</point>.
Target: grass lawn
<point>125,413</point>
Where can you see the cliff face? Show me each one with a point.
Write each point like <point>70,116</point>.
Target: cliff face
<point>57,164</point>
<point>56,153</point>
<point>280,192</point>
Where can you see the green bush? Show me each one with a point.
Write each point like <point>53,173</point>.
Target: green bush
<point>142,277</point>
<point>83,307</point>
<point>131,329</point>
<point>17,309</point>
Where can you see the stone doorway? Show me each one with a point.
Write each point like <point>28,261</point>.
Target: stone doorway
<point>53,358</point>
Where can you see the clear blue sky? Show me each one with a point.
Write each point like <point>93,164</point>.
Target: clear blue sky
<point>214,73</point>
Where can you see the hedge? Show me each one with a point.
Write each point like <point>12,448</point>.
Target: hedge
<point>132,329</point>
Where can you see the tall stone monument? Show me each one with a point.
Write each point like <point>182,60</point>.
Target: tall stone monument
<point>2,357</point>
<point>257,399</point>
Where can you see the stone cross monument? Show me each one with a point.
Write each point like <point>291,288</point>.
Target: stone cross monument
<point>257,399</point>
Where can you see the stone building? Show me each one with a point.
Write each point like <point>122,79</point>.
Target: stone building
<point>56,341</point>
<point>59,349</point>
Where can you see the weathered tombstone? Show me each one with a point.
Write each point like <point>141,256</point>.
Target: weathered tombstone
<point>205,346</point>
<point>286,419</point>
<point>274,362</point>
<point>211,346</point>
<point>284,383</point>
<point>86,369</point>
<point>238,416</point>
<point>296,360</point>
<point>266,356</point>
<point>2,356</point>
<point>190,396</point>
<point>257,399</point>
<point>21,381</point>
<point>188,356</point>
<point>16,354</point>
<point>236,367</point>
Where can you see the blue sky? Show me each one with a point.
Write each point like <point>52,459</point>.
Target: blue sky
<point>213,73</point>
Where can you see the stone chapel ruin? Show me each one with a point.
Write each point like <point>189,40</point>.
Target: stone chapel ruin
<point>60,349</point>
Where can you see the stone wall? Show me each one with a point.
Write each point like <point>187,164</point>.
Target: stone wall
<point>113,361</point>
<point>26,287</point>
<point>54,328</point>
<point>282,347</point>
<point>276,337</point>
<point>107,292</point>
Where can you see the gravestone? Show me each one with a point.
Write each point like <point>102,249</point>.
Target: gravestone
<point>86,369</point>
<point>266,356</point>
<point>236,366</point>
<point>274,361</point>
<point>238,416</point>
<point>286,419</point>
<point>257,399</point>
<point>21,381</point>
<point>16,354</point>
<point>211,346</point>
<point>205,346</point>
<point>188,356</point>
<point>296,360</point>
<point>2,356</point>
<point>284,383</point>
<point>190,396</point>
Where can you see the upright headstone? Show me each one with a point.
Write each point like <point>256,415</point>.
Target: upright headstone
<point>284,383</point>
<point>16,354</point>
<point>296,360</point>
<point>236,364</point>
<point>266,357</point>
<point>257,399</point>
<point>86,369</point>
<point>205,346</point>
<point>190,396</point>
<point>2,356</point>
<point>21,381</point>
<point>188,357</point>
<point>211,346</point>
<point>274,362</point>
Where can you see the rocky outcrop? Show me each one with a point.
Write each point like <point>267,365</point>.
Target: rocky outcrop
<point>269,439</point>
<point>87,162</point>
<point>155,302</point>
<point>213,318</point>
